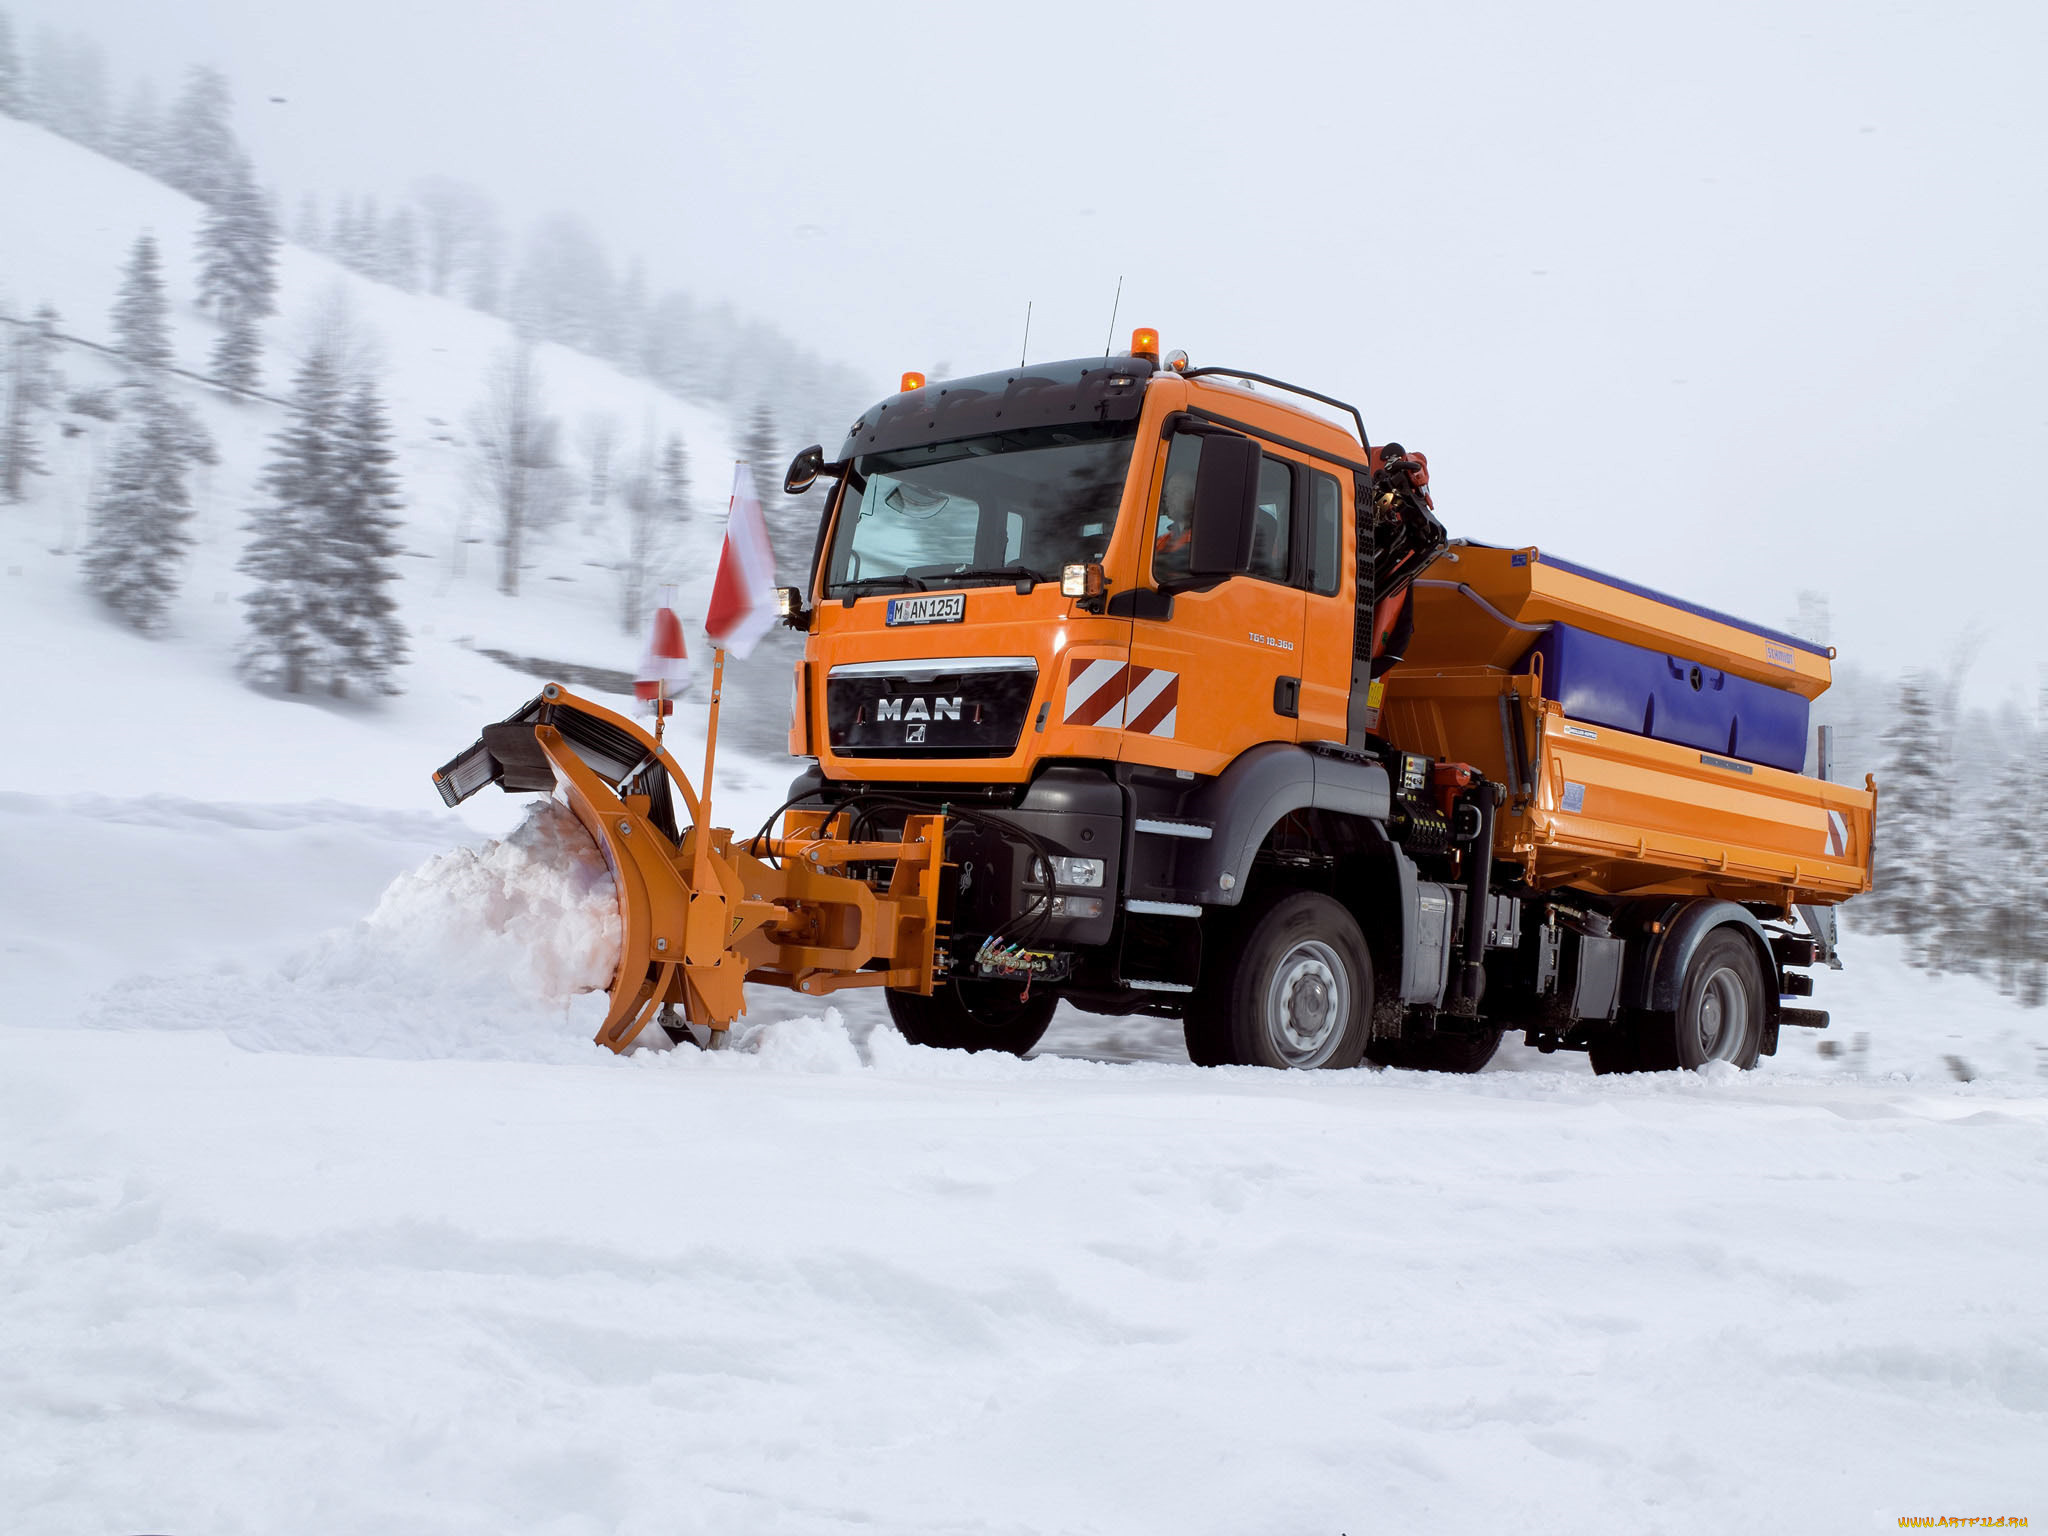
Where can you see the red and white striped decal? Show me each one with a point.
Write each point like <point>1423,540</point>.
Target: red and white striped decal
<point>1838,833</point>
<point>1111,695</point>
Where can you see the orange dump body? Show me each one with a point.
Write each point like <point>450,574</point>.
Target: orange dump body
<point>1605,809</point>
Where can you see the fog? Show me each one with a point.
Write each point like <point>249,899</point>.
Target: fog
<point>1736,302</point>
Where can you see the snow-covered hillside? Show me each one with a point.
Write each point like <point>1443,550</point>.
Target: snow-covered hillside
<point>319,1211</point>
<point>433,358</point>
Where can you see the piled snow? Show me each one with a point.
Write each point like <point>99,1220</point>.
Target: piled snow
<point>481,952</point>
<point>537,909</point>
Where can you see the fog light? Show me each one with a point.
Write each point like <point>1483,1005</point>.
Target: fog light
<point>1077,906</point>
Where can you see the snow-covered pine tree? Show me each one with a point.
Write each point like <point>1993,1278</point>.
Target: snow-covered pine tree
<point>675,477</point>
<point>141,318</point>
<point>238,248</point>
<point>632,319</point>
<point>2011,859</point>
<point>13,99</point>
<point>138,517</point>
<point>341,233</point>
<point>199,144</point>
<point>485,289</point>
<point>30,385</point>
<point>238,354</point>
<point>365,249</point>
<point>70,88</point>
<point>288,533</point>
<point>402,249</point>
<point>1911,817</point>
<point>360,618</point>
<point>790,528</point>
<point>307,230</point>
<point>139,133</point>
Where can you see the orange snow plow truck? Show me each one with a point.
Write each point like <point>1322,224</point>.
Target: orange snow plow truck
<point>1152,688</point>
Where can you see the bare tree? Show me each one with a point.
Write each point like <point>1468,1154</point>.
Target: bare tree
<point>332,327</point>
<point>519,461</point>
<point>598,436</point>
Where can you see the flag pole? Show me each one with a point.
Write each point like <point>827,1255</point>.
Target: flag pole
<point>700,872</point>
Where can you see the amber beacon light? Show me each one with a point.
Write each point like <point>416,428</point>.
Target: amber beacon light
<point>912,381</point>
<point>1145,343</point>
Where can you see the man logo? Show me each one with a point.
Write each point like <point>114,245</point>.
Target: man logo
<point>913,734</point>
<point>940,708</point>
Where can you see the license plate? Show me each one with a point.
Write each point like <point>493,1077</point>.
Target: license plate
<point>945,608</point>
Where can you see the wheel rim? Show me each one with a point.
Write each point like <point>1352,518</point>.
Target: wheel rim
<point>1308,1002</point>
<point>1721,1023</point>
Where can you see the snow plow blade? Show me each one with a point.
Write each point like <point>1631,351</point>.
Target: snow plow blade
<point>699,915</point>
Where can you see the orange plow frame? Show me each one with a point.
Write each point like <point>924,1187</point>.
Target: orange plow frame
<point>700,919</point>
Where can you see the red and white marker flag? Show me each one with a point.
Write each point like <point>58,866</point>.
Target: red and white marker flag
<point>665,667</point>
<point>743,596</point>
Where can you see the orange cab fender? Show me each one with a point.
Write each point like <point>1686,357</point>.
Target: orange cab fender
<point>1654,976</point>
<point>1244,802</point>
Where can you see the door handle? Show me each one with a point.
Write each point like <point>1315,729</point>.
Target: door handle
<point>1287,697</point>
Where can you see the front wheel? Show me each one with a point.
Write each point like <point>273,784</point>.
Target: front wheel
<point>1295,989</point>
<point>973,1016</point>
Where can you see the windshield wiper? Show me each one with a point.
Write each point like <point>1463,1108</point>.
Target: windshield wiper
<point>989,573</point>
<point>873,583</point>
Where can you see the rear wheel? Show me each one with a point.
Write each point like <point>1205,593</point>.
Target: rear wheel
<point>1720,1016</point>
<point>973,1016</point>
<point>1441,1052</point>
<point>1292,987</point>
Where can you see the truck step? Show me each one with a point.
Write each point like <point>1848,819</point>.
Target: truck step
<point>1140,984</point>
<point>1157,828</point>
<point>1804,1018</point>
<point>1162,908</point>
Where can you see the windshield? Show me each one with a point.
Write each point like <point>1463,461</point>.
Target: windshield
<point>1015,505</point>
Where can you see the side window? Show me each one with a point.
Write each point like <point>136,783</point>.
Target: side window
<point>1172,533</point>
<point>1272,519</point>
<point>1325,533</point>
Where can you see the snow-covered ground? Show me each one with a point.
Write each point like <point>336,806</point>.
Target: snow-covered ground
<point>320,1213</point>
<point>820,1286</point>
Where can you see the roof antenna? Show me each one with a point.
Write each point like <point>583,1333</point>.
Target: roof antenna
<point>1111,337</point>
<point>1026,348</point>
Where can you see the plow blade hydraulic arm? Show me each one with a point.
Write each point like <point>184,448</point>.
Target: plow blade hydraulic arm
<point>699,916</point>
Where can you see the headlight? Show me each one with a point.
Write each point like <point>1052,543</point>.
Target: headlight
<point>1086,873</point>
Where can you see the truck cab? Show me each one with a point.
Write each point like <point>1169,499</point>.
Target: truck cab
<point>1129,626</point>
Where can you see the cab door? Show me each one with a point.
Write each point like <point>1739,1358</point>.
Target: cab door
<point>1326,537</point>
<point>1216,669</point>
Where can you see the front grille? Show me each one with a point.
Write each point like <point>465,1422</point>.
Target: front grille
<point>919,709</point>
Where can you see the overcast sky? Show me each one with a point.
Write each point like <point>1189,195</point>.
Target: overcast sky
<point>1730,301</point>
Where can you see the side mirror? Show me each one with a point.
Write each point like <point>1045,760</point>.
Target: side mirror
<point>804,470</point>
<point>1226,491</point>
